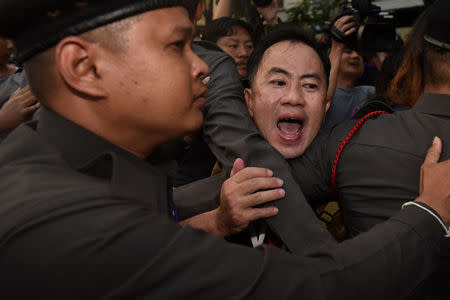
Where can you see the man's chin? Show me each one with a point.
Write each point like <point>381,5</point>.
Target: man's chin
<point>242,73</point>
<point>290,152</point>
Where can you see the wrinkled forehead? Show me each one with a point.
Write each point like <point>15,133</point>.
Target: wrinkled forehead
<point>295,57</point>
<point>237,33</point>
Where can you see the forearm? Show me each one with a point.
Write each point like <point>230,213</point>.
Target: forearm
<point>335,60</point>
<point>223,9</point>
<point>207,222</point>
<point>397,255</point>
<point>6,123</point>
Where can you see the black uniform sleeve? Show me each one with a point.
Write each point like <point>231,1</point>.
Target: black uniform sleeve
<point>122,252</point>
<point>312,170</point>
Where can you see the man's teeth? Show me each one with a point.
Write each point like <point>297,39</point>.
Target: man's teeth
<point>290,126</point>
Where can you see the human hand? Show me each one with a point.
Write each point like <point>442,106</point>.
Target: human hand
<point>21,104</point>
<point>435,182</point>
<point>270,12</point>
<point>341,29</point>
<point>242,192</point>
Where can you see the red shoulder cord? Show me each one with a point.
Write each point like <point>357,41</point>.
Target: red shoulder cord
<point>345,142</point>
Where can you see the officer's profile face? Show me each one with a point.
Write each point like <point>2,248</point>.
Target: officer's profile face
<point>155,80</point>
<point>287,97</point>
<point>238,45</point>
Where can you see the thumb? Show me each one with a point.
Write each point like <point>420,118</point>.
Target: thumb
<point>434,152</point>
<point>237,166</point>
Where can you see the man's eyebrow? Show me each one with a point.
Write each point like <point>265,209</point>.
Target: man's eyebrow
<point>276,70</point>
<point>311,75</point>
<point>182,29</point>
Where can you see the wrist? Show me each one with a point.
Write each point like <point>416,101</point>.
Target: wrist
<point>430,210</point>
<point>5,123</point>
<point>217,225</point>
<point>336,46</point>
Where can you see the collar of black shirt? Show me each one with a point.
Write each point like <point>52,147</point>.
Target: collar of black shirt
<point>435,104</point>
<point>91,154</point>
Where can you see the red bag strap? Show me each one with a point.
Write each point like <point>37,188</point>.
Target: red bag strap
<point>345,142</point>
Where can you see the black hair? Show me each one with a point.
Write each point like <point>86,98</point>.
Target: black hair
<point>224,27</point>
<point>291,34</point>
<point>436,70</point>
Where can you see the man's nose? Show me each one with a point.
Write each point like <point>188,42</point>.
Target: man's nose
<point>242,51</point>
<point>293,96</point>
<point>355,55</point>
<point>199,69</point>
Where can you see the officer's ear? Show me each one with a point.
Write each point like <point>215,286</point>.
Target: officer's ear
<point>327,104</point>
<point>248,95</point>
<point>76,60</point>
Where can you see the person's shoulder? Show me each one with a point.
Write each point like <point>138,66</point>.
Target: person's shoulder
<point>208,50</point>
<point>30,162</point>
<point>366,89</point>
<point>206,46</point>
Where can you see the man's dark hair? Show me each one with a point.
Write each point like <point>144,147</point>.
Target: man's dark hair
<point>224,27</point>
<point>436,70</point>
<point>293,35</point>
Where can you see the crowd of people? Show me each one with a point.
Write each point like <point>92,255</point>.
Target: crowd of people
<point>137,161</point>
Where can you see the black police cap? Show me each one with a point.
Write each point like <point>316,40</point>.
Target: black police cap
<point>36,25</point>
<point>437,25</point>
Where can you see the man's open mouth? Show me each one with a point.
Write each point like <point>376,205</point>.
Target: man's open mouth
<point>290,127</point>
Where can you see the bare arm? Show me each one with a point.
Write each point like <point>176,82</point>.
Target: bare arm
<point>344,25</point>
<point>223,9</point>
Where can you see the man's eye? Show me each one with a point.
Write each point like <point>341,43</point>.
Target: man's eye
<point>233,46</point>
<point>278,82</point>
<point>179,44</point>
<point>310,85</point>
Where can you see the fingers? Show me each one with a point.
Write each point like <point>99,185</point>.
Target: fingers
<point>249,173</point>
<point>434,152</point>
<point>260,213</point>
<point>32,108</point>
<point>350,31</point>
<point>263,197</point>
<point>24,96</point>
<point>342,21</point>
<point>28,99</point>
<point>345,27</point>
<point>259,183</point>
<point>238,165</point>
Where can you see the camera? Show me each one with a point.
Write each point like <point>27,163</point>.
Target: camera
<point>375,29</point>
<point>262,3</point>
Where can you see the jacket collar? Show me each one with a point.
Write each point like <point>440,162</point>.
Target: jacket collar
<point>435,104</point>
<point>130,177</point>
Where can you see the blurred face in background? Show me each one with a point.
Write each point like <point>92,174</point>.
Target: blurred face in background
<point>351,64</point>
<point>5,51</point>
<point>238,45</point>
